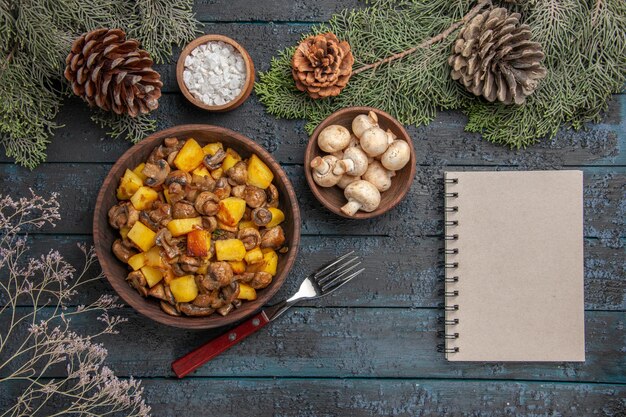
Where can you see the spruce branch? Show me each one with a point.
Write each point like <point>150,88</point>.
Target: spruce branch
<point>428,42</point>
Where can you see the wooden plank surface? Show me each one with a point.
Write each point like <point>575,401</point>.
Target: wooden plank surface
<point>400,272</point>
<point>297,397</point>
<point>419,214</point>
<point>349,342</point>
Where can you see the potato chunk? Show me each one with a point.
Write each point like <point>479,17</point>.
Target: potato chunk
<point>231,210</point>
<point>138,170</point>
<point>137,261</point>
<point>153,275</point>
<point>238,267</point>
<point>277,217</point>
<point>142,236</point>
<point>269,263</point>
<point>254,256</point>
<point>198,243</point>
<point>230,250</point>
<point>231,159</point>
<point>201,171</point>
<point>129,184</point>
<point>190,156</point>
<point>259,174</point>
<point>212,148</point>
<point>184,289</point>
<point>143,198</point>
<point>153,257</point>
<point>246,292</point>
<point>179,227</point>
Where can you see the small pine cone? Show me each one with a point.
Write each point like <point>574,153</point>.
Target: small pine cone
<point>495,58</point>
<point>322,66</point>
<point>111,72</point>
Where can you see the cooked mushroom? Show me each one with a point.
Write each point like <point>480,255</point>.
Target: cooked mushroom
<point>184,210</point>
<point>323,174</point>
<point>238,174</point>
<point>209,223</point>
<point>206,283</point>
<point>202,300</point>
<point>396,156</point>
<point>169,244</point>
<point>161,213</point>
<point>189,263</point>
<point>224,310</point>
<point>238,191</point>
<point>245,277</point>
<point>214,161</point>
<point>273,238</point>
<point>363,122</point>
<point>347,179</point>
<point>138,282</point>
<point>354,162</point>
<point>222,188</point>
<point>158,291</point>
<point>122,252</point>
<point>169,309</point>
<point>333,138</point>
<point>221,272</point>
<point>203,182</point>
<point>230,292</point>
<point>261,280</point>
<point>176,192</point>
<point>123,215</point>
<point>261,216</point>
<point>207,203</point>
<point>178,177</point>
<point>171,158</point>
<point>156,172</point>
<point>361,195</point>
<point>254,196</point>
<point>379,176</point>
<point>223,233</point>
<point>250,237</point>
<point>195,311</point>
<point>375,141</point>
<point>272,196</point>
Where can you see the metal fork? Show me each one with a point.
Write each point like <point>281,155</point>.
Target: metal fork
<point>326,280</point>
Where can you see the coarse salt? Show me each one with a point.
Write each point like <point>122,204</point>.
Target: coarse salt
<point>215,73</point>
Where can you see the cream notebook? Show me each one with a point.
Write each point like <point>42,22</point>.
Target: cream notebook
<point>514,266</point>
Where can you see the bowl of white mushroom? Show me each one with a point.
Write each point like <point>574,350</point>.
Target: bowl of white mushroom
<point>360,162</point>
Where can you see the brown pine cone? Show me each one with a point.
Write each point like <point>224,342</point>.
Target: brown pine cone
<point>111,72</point>
<point>495,58</point>
<point>322,66</point>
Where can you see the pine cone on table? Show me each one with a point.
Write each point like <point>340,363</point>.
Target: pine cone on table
<point>111,72</point>
<point>322,65</point>
<point>494,57</point>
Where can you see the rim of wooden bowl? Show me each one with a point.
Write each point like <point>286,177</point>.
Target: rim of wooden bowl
<point>146,306</point>
<point>321,193</point>
<point>248,85</point>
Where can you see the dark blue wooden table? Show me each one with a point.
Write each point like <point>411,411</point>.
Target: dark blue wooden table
<point>370,349</point>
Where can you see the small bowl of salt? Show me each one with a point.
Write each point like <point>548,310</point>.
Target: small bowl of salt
<point>215,73</point>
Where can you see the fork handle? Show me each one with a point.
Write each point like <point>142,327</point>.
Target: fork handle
<point>201,355</point>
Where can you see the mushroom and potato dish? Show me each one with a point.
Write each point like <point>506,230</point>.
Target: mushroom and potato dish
<point>199,227</point>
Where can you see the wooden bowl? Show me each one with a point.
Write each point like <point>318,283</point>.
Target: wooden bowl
<point>245,91</point>
<point>104,234</point>
<point>332,197</point>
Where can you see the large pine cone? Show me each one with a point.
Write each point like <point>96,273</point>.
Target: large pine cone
<point>111,72</point>
<point>495,58</point>
<point>322,66</point>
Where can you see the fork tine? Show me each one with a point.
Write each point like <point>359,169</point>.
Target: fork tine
<point>343,282</point>
<point>333,272</point>
<point>331,264</point>
<point>337,278</point>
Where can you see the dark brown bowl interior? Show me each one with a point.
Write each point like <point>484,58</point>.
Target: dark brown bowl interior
<point>104,234</point>
<point>332,197</point>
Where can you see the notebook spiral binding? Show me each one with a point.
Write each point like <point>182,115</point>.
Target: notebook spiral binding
<point>450,265</point>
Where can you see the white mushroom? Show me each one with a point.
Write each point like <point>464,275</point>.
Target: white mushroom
<point>363,122</point>
<point>323,171</point>
<point>361,195</point>
<point>378,176</point>
<point>396,156</point>
<point>333,138</point>
<point>346,180</point>
<point>354,162</point>
<point>375,141</point>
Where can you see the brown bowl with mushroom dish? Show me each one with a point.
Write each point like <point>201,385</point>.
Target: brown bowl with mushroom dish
<point>360,162</point>
<point>196,226</point>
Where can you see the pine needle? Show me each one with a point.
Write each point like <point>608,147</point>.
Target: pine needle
<point>584,41</point>
<point>35,38</point>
